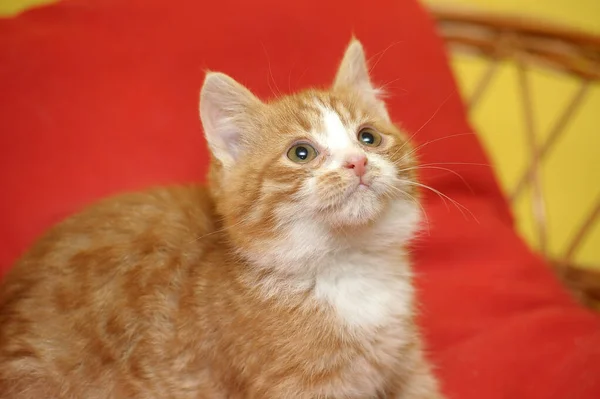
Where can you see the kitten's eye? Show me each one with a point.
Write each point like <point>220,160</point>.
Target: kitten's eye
<point>369,137</point>
<point>302,153</point>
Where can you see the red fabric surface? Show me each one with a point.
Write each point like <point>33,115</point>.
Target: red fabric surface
<point>100,96</point>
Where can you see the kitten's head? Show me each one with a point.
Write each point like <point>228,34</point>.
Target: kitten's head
<point>298,176</point>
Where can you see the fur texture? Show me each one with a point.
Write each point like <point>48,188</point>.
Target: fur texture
<point>286,277</point>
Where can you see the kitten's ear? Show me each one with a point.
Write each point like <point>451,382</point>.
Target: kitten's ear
<point>353,75</point>
<point>224,108</point>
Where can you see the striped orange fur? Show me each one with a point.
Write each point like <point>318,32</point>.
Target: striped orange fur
<point>285,277</point>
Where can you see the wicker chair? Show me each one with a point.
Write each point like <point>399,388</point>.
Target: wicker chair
<point>532,44</point>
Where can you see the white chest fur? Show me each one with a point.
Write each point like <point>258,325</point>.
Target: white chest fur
<point>372,298</point>
<point>365,291</point>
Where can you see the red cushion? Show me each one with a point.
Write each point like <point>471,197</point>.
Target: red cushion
<point>100,96</point>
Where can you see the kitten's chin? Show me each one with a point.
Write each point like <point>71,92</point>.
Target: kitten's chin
<point>361,208</point>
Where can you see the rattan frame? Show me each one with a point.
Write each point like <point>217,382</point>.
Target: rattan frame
<point>533,44</point>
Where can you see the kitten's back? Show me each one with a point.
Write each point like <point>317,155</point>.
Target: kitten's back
<point>96,283</point>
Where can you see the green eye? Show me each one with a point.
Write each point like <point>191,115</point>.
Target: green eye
<point>302,153</point>
<point>369,137</point>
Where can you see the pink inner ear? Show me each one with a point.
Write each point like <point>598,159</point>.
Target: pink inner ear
<point>353,74</point>
<point>223,104</point>
<point>220,130</point>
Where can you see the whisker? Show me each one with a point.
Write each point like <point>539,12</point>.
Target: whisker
<point>401,191</point>
<point>278,93</point>
<point>290,77</point>
<point>457,204</point>
<point>412,198</point>
<point>425,144</point>
<point>416,201</point>
<point>434,165</point>
<point>404,145</point>
<point>422,209</point>
<point>383,88</point>
<point>302,75</point>
<point>427,122</point>
<point>437,110</point>
<point>417,148</point>
<point>380,55</point>
<point>457,163</point>
<point>440,168</point>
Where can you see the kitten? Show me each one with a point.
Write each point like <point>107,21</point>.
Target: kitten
<point>287,277</point>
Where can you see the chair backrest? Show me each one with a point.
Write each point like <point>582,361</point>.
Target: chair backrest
<point>532,44</point>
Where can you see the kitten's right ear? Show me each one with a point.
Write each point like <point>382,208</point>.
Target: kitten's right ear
<point>353,74</point>
<point>224,107</point>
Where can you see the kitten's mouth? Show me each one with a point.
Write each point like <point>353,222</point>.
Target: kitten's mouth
<point>363,184</point>
<point>360,187</point>
<point>360,203</point>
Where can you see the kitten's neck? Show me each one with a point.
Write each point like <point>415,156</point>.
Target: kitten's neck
<point>307,246</point>
<point>304,275</point>
<point>362,290</point>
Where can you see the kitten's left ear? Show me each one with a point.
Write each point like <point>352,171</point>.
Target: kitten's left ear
<point>225,106</point>
<point>353,75</point>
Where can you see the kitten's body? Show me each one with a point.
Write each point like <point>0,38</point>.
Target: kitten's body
<point>239,292</point>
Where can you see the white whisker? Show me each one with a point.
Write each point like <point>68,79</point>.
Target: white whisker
<point>278,92</point>
<point>457,204</point>
<point>436,111</point>
<point>412,198</point>
<point>427,166</point>
<point>456,163</point>
<point>420,146</point>
<point>426,122</point>
<point>380,55</point>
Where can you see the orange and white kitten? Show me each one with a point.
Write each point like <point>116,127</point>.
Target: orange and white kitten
<point>285,278</point>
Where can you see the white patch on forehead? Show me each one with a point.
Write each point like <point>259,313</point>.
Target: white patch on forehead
<point>335,133</point>
<point>336,138</point>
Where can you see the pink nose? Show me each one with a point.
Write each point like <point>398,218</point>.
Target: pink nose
<point>358,163</point>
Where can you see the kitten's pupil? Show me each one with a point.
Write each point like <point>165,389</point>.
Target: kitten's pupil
<point>302,153</point>
<point>367,138</point>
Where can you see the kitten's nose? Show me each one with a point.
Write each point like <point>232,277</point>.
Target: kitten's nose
<point>358,163</point>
